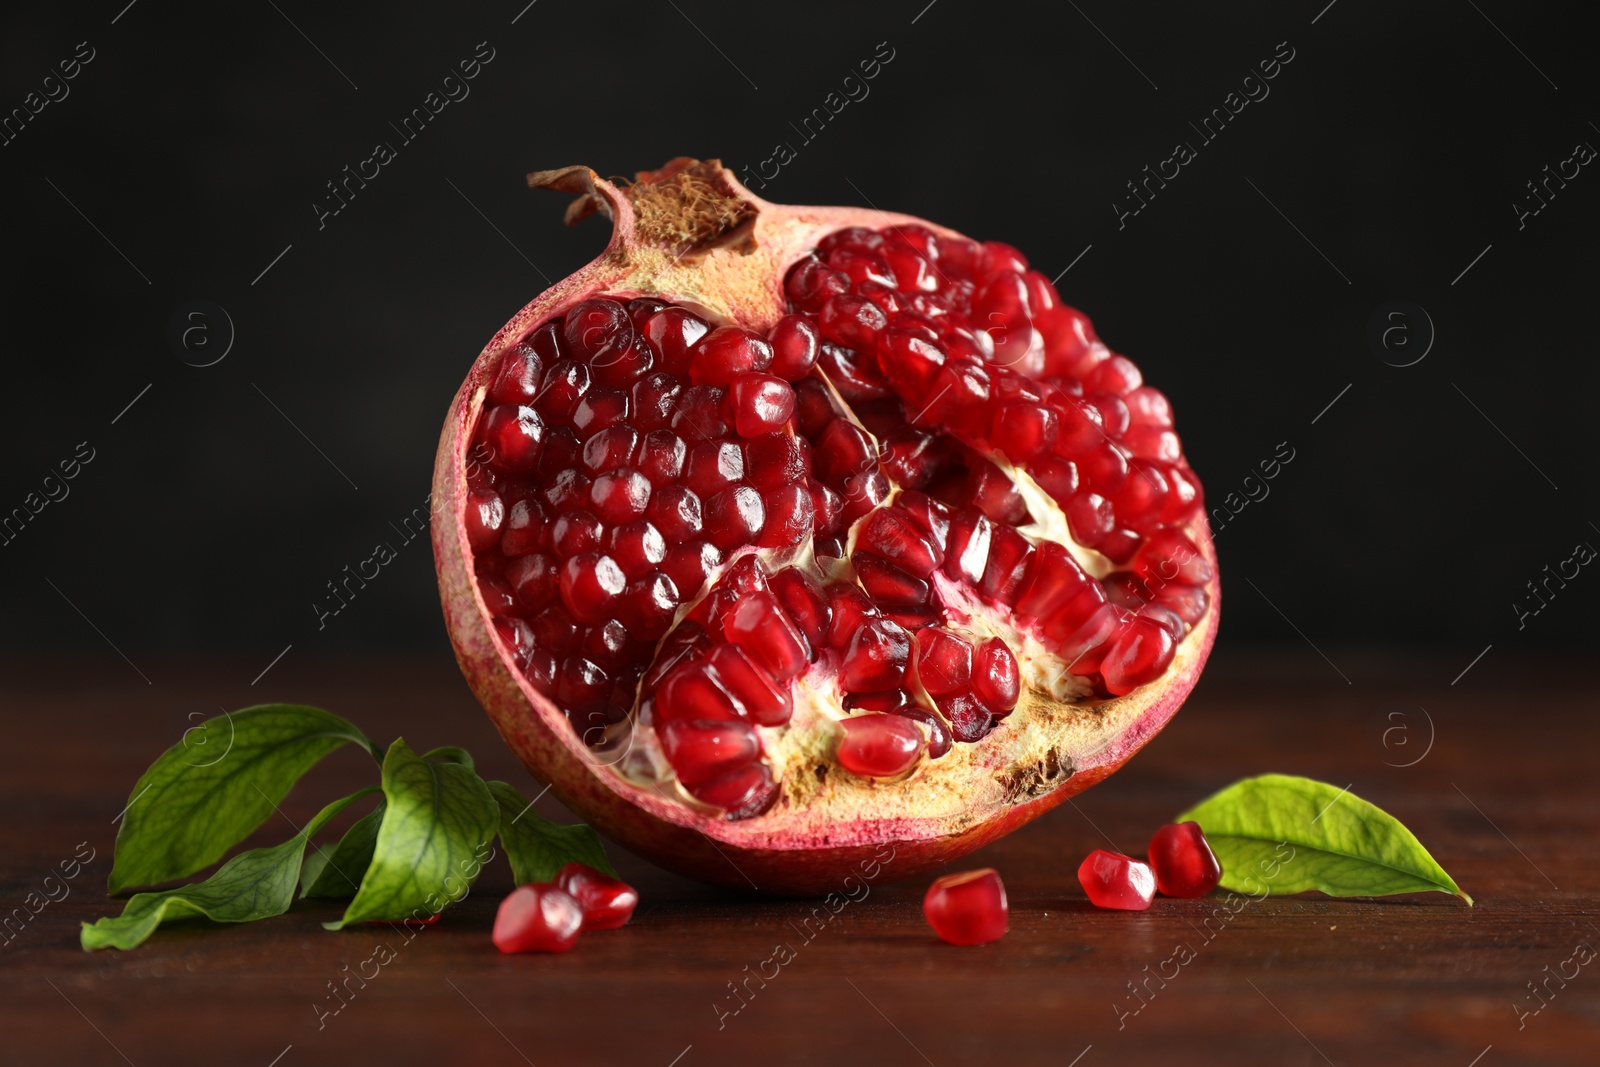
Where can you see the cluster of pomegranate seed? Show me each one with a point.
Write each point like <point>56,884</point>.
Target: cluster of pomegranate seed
<point>683,520</point>
<point>549,916</point>
<point>970,908</point>
<point>1181,865</point>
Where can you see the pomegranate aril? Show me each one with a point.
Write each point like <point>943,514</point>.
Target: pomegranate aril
<point>861,493</point>
<point>601,408</point>
<point>790,517</point>
<point>765,701</point>
<point>991,492</point>
<point>620,496</point>
<point>700,750</point>
<point>742,793</point>
<point>517,380</point>
<point>759,403</point>
<point>609,449</point>
<point>892,534</point>
<point>640,309</point>
<point>878,746</point>
<point>811,283</point>
<point>1138,503</point>
<point>968,718</point>
<point>564,385</point>
<point>939,739</point>
<point>1113,880</point>
<point>590,585</point>
<point>485,515</point>
<point>759,625</point>
<point>944,661</point>
<point>888,584</point>
<point>537,918</point>
<point>637,547</point>
<point>725,353</point>
<point>554,630</point>
<point>843,449</point>
<point>734,517</point>
<point>1089,518</point>
<point>1116,375</point>
<point>559,454</point>
<point>1009,557</point>
<point>803,599</point>
<point>851,321</point>
<point>712,466</point>
<point>568,490</point>
<point>606,644</point>
<point>672,333</point>
<point>696,691</point>
<point>513,434</point>
<point>497,597</point>
<point>967,908</point>
<point>532,579</point>
<point>1140,653</point>
<point>773,460</point>
<point>607,902</point>
<point>1182,861</point>
<point>967,553</point>
<point>850,609</point>
<point>687,643</point>
<point>1167,555</point>
<point>575,531</point>
<point>653,399</point>
<point>1024,430</point>
<point>697,416</point>
<point>910,363</point>
<point>676,511</point>
<point>795,344</point>
<point>886,700</point>
<point>648,605</point>
<point>581,685</point>
<point>876,656</point>
<point>690,564</point>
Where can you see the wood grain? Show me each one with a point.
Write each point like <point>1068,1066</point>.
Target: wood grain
<point>1506,798</point>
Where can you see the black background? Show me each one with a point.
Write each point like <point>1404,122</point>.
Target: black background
<point>198,139</point>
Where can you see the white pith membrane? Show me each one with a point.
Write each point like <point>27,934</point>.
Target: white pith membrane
<point>1030,748</point>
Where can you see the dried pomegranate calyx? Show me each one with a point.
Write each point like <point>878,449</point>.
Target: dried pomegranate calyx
<point>762,479</point>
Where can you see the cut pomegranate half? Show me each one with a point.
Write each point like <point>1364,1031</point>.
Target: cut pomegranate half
<point>777,535</point>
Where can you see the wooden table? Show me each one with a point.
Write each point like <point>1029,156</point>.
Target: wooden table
<point>1506,798</point>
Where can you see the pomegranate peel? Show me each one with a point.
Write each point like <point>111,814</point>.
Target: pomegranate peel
<point>1064,551</point>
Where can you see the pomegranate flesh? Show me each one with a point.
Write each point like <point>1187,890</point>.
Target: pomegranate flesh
<point>778,535</point>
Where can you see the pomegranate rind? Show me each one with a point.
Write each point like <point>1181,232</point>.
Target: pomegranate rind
<point>821,828</point>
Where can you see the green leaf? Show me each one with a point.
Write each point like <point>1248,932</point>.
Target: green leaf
<point>432,843</point>
<point>253,885</point>
<point>538,848</point>
<point>452,754</point>
<point>335,871</point>
<point>1293,834</point>
<point>222,780</point>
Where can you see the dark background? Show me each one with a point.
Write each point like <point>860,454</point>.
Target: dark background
<point>197,139</point>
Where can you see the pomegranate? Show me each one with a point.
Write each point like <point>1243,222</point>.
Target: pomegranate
<point>607,902</point>
<point>777,535</point>
<point>1183,862</point>
<point>967,908</point>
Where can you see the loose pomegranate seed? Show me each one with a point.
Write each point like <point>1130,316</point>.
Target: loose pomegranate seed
<point>1183,862</point>
<point>967,908</point>
<point>607,902</point>
<point>878,746</point>
<point>538,918</point>
<point>1113,880</point>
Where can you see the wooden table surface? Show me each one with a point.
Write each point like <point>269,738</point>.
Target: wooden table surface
<point>1505,797</point>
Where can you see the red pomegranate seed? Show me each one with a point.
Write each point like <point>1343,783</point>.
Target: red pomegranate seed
<point>672,333</point>
<point>1140,654</point>
<point>485,516</point>
<point>888,584</point>
<point>939,738</point>
<point>967,554</point>
<point>648,605</point>
<point>811,283</point>
<point>760,403</point>
<point>759,625</point>
<point>526,529</point>
<point>969,720</point>
<point>1116,375</point>
<point>533,581</point>
<point>690,564</point>
<point>537,918</point>
<point>564,385</point>
<point>878,746</point>
<point>851,321</point>
<point>697,416</point>
<point>701,749</point>
<point>734,517</point>
<point>805,603</point>
<point>795,343</point>
<point>620,496</point>
<point>876,656</point>
<point>1168,556</point>
<point>521,370</point>
<point>791,517</point>
<point>713,466</point>
<point>774,460</point>
<point>607,902</point>
<point>766,702</point>
<point>944,661</point>
<point>725,353</point>
<point>1113,880</point>
<point>995,677</point>
<point>600,409</point>
<point>967,908</point>
<point>653,399</point>
<point>1009,558</point>
<point>513,434</point>
<point>590,586</point>
<point>697,691</point>
<point>676,511</point>
<point>741,793</point>
<point>610,448</point>
<point>576,531</point>
<point>1183,862</point>
<point>894,535</point>
<point>637,547</point>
